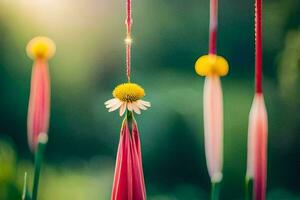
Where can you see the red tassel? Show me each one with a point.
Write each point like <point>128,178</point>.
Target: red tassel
<point>129,179</point>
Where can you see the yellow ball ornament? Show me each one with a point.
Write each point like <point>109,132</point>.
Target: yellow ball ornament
<point>209,65</point>
<point>41,48</point>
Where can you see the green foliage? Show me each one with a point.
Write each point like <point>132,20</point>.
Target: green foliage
<point>8,188</point>
<point>289,68</point>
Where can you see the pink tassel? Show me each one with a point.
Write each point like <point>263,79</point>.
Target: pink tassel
<point>257,146</point>
<point>213,127</point>
<point>39,103</point>
<point>129,179</point>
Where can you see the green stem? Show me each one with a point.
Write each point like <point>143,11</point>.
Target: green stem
<point>248,188</point>
<point>42,141</point>
<point>215,190</point>
<point>25,195</point>
<point>129,119</point>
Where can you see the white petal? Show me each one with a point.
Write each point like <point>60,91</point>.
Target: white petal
<point>146,103</point>
<point>129,106</point>
<point>110,101</point>
<point>136,108</point>
<point>116,106</point>
<point>123,108</point>
<point>113,103</point>
<point>140,105</point>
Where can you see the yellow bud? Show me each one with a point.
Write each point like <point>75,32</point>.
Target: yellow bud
<point>208,65</point>
<point>40,48</point>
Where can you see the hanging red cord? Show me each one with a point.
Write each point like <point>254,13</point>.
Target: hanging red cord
<point>128,39</point>
<point>258,46</point>
<point>213,26</point>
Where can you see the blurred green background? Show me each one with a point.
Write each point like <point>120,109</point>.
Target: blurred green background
<point>169,35</point>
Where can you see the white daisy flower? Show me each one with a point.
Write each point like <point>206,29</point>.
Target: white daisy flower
<point>127,96</point>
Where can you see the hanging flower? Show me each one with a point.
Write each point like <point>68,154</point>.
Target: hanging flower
<point>40,49</point>
<point>128,96</point>
<point>213,66</point>
<point>129,178</point>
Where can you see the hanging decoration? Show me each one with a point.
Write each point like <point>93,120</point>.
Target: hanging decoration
<point>129,178</point>
<point>258,123</point>
<point>40,49</point>
<point>213,67</point>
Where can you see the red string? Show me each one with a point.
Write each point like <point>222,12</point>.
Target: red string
<point>128,38</point>
<point>213,26</point>
<point>258,46</point>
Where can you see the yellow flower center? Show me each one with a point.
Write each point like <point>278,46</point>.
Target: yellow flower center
<point>40,47</point>
<point>128,92</point>
<point>208,65</point>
